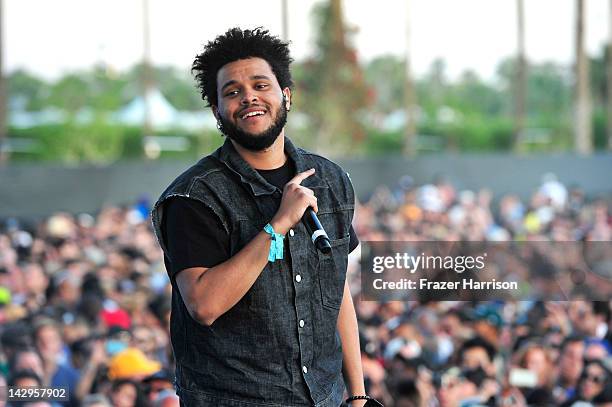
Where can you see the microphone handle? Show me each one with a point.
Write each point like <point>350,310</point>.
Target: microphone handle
<point>317,233</point>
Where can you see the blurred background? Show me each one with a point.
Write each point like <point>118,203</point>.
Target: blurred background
<point>469,119</point>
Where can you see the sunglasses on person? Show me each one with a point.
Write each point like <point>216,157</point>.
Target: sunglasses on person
<point>595,378</point>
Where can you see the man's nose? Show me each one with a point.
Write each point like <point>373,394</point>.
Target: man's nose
<point>248,98</point>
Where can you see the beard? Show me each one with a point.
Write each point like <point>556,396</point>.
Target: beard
<point>256,142</point>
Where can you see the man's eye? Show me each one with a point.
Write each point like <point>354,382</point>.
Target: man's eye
<point>262,86</point>
<point>232,93</point>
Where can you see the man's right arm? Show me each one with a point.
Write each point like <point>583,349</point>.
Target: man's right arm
<point>210,292</point>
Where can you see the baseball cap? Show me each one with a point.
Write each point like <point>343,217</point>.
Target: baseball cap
<point>131,363</point>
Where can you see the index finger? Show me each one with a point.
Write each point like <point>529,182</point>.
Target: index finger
<point>302,176</point>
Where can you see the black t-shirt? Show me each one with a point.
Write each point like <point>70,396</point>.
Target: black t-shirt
<point>194,235</point>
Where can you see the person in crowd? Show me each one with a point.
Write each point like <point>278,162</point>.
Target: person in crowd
<point>571,361</point>
<point>477,353</point>
<point>594,385</point>
<point>127,393</point>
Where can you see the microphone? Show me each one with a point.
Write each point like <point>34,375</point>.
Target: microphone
<point>315,230</point>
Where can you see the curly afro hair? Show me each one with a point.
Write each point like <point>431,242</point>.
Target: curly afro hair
<point>238,44</point>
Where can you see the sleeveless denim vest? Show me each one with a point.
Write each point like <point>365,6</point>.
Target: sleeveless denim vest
<point>278,346</point>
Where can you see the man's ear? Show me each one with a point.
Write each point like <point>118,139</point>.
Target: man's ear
<point>215,112</point>
<point>287,98</point>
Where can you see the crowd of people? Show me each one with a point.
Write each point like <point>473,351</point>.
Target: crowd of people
<point>85,303</point>
<point>510,353</point>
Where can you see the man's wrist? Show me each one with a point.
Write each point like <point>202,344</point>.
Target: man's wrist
<point>363,400</point>
<point>279,227</point>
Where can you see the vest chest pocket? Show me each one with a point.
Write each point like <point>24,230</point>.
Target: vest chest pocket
<point>332,272</point>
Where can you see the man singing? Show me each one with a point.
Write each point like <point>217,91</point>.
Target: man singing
<point>260,317</point>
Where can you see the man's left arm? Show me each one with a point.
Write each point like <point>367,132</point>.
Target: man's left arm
<point>351,353</point>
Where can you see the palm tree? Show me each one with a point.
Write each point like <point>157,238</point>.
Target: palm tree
<point>285,20</point>
<point>409,96</point>
<point>521,76</point>
<point>3,115</point>
<point>147,73</point>
<point>582,132</point>
<point>609,77</point>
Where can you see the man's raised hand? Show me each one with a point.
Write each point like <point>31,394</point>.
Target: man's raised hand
<point>296,198</point>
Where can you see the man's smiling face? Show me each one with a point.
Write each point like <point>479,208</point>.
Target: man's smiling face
<point>251,107</point>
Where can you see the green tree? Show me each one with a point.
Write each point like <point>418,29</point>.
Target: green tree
<point>385,75</point>
<point>176,86</point>
<point>71,93</point>
<point>434,90</point>
<point>549,87</point>
<point>179,88</point>
<point>471,95</point>
<point>108,89</point>
<point>27,89</point>
<point>333,84</point>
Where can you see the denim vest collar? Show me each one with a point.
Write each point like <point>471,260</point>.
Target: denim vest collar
<point>228,155</point>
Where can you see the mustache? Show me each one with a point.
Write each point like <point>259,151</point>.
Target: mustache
<point>263,107</point>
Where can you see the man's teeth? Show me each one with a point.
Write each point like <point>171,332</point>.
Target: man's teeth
<point>250,114</point>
